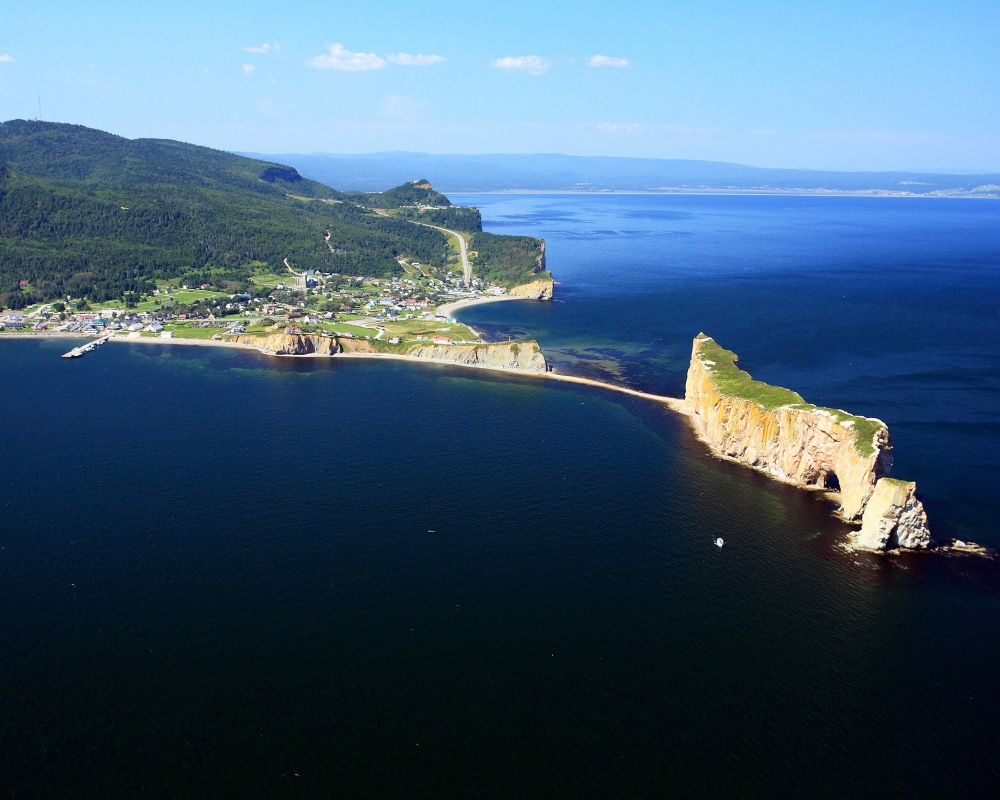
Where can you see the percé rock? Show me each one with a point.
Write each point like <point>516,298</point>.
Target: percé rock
<point>522,356</point>
<point>536,290</point>
<point>894,518</point>
<point>774,430</point>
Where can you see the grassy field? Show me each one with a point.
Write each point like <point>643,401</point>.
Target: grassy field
<point>340,327</point>
<point>183,331</point>
<point>186,296</point>
<point>411,328</point>
<point>408,330</point>
<point>732,381</point>
<point>272,279</point>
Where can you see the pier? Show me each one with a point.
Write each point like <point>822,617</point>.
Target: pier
<point>76,352</point>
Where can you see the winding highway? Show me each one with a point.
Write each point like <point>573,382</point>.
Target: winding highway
<point>461,249</point>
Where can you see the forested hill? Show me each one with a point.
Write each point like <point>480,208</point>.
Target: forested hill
<point>91,214</point>
<point>417,200</point>
<point>415,193</point>
<point>98,159</point>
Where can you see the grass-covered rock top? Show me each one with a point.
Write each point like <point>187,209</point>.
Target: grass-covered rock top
<point>729,380</point>
<point>732,381</point>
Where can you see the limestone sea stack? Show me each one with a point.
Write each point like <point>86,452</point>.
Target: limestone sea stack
<point>775,431</point>
<point>894,518</point>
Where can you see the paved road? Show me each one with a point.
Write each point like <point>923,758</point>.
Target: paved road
<point>466,268</point>
<point>461,249</point>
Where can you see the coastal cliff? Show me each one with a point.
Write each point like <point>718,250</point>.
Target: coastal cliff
<point>286,344</point>
<point>540,289</point>
<point>775,431</point>
<point>519,356</point>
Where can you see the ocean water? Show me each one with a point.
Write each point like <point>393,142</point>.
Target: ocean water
<point>223,574</point>
<point>887,307</point>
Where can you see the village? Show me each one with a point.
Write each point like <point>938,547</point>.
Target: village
<point>394,310</point>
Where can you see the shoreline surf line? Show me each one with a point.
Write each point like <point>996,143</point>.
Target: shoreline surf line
<point>449,309</point>
<point>674,403</point>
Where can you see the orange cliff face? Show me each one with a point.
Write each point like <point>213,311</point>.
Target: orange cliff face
<point>290,344</point>
<point>535,290</point>
<point>517,356</point>
<point>793,442</point>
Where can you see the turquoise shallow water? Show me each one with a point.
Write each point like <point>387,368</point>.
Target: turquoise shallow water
<point>217,575</point>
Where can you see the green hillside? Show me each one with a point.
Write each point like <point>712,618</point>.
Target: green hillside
<point>508,260</point>
<point>418,192</point>
<point>78,154</point>
<point>418,201</point>
<point>91,214</point>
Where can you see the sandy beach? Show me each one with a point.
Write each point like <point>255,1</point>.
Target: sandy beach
<point>449,309</point>
<point>674,403</point>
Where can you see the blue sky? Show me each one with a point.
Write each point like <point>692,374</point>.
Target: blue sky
<point>867,85</point>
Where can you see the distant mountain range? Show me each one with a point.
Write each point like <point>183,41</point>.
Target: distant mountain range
<point>553,172</point>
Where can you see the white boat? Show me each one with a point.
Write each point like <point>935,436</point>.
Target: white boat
<point>719,542</point>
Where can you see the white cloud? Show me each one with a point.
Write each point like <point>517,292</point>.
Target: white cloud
<point>6,58</point>
<point>618,127</point>
<point>646,129</point>
<point>249,69</point>
<point>263,49</point>
<point>396,106</point>
<point>339,58</point>
<point>419,60</point>
<point>535,65</point>
<point>269,108</point>
<point>606,61</point>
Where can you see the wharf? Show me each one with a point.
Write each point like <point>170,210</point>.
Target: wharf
<point>76,352</point>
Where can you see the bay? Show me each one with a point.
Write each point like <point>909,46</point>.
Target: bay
<point>227,574</point>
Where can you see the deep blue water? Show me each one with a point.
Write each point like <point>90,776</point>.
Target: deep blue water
<point>884,307</point>
<point>218,576</point>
